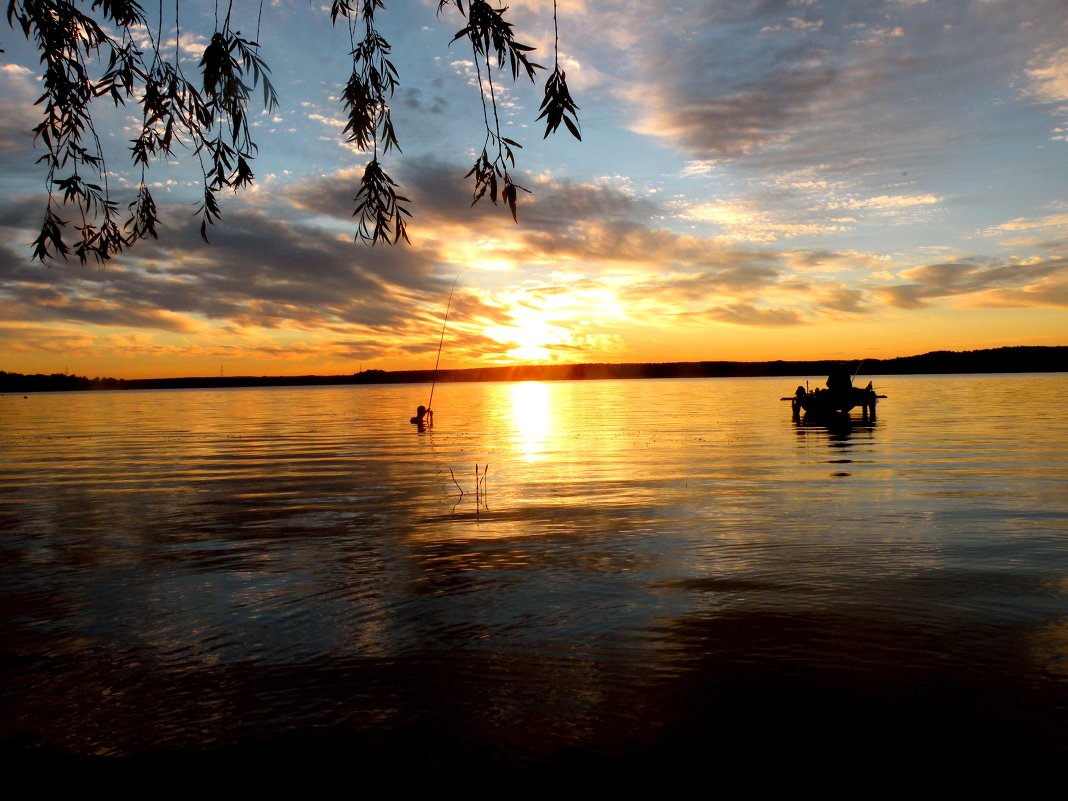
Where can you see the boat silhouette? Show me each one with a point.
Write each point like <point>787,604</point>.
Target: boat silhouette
<point>840,397</point>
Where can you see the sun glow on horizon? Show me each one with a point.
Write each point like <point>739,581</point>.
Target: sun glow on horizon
<point>553,323</point>
<point>532,340</point>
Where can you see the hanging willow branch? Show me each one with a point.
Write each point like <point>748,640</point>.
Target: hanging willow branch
<point>210,117</point>
<point>558,106</point>
<point>93,49</point>
<point>490,35</point>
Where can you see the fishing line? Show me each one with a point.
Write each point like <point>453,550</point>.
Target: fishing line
<point>430,403</point>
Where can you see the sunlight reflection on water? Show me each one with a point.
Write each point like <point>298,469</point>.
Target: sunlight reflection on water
<point>194,570</point>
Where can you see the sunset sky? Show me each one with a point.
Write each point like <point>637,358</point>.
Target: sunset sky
<point>756,180</point>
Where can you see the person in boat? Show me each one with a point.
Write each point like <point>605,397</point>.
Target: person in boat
<point>423,417</point>
<point>839,382</point>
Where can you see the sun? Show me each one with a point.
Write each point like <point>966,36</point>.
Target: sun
<point>530,354</point>
<point>533,335</point>
<point>530,340</point>
<point>547,325</point>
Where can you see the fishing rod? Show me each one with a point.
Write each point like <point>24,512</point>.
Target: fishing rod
<point>430,403</point>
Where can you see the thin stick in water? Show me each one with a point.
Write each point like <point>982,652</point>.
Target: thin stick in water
<point>454,481</point>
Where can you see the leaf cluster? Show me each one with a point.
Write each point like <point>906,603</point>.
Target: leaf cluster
<point>488,32</point>
<point>558,106</point>
<point>210,117</point>
<point>380,210</point>
<point>489,176</point>
<point>490,35</point>
<point>67,39</point>
<point>228,62</point>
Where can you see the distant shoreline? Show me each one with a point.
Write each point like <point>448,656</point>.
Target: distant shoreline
<point>1019,359</point>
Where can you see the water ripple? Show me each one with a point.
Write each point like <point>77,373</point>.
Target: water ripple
<point>647,569</point>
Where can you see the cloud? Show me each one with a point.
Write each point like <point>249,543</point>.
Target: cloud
<point>862,90</point>
<point>1038,283</point>
<point>887,202</point>
<point>20,338</point>
<point>749,315</point>
<point>625,267</point>
<point>694,96</point>
<point>1047,233</point>
<point>414,99</point>
<point>192,46</point>
<point>843,299</point>
<point>752,221</point>
<point>283,281</point>
<point>1048,76</point>
<point>46,303</point>
<point>335,124</point>
<point>1058,221</point>
<point>558,220</point>
<point>258,272</point>
<point>18,87</point>
<point>611,236</point>
<point>723,82</point>
<point>267,277</point>
<point>824,261</point>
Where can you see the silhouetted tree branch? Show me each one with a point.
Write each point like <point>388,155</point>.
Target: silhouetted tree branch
<point>89,50</point>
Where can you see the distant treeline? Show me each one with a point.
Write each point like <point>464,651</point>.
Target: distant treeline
<point>1022,359</point>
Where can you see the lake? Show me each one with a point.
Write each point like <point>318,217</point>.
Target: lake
<point>615,577</point>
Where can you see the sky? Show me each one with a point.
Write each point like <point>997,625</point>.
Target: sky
<point>755,181</point>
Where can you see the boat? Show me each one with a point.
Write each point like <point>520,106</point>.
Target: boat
<point>839,398</point>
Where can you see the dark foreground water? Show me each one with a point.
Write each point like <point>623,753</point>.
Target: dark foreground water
<point>655,578</point>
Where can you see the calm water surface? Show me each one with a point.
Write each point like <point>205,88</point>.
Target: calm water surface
<point>641,574</point>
